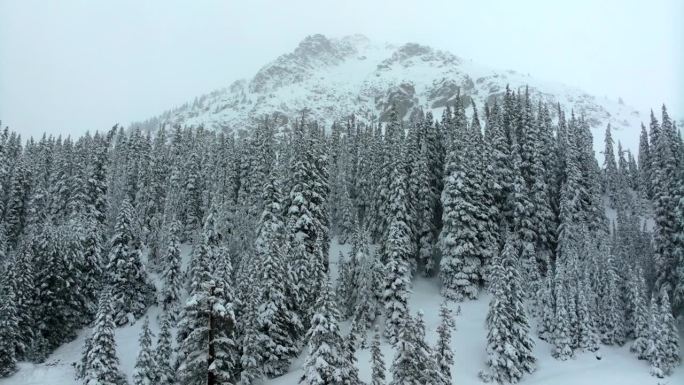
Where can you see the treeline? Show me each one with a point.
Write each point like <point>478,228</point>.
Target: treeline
<point>509,198</point>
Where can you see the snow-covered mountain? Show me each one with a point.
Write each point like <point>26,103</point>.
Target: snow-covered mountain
<point>331,78</point>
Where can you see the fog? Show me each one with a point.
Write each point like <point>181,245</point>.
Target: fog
<point>71,66</point>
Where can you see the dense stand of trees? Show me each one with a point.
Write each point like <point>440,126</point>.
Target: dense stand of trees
<point>509,198</point>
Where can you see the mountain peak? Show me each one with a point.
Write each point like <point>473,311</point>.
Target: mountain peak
<point>335,77</point>
<point>314,45</point>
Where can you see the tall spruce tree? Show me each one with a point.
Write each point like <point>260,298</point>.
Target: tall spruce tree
<point>144,373</point>
<point>509,346</point>
<point>325,362</point>
<point>377,362</point>
<point>164,372</point>
<point>102,363</point>
<point>442,351</point>
<point>9,331</point>
<point>131,291</point>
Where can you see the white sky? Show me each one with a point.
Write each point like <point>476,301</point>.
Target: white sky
<point>70,66</point>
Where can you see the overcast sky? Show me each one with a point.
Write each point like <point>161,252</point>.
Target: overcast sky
<point>71,66</point>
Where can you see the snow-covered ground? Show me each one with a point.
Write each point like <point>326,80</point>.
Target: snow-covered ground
<point>617,365</point>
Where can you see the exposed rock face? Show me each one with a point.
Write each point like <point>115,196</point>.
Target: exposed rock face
<point>333,78</point>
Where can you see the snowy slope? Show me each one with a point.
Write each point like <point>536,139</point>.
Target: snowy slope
<point>330,79</point>
<point>617,366</point>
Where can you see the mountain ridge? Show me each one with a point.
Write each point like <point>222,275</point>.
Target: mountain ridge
<point>333,78</point>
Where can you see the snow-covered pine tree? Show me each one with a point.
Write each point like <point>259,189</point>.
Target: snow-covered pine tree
<point>60,303</point>
<point>640,314</point>
<point>207,352</point>
<point>102,363</point>
<point>644,164</point>
<point>192,189</point>
<point>523,228</point>
<point>93,263</point>
<point>541,188</point>
<point>664,344</point>
<point>16,207</point>
<point>425,208</point>
<point>678,300</point>
<point>131,291</point>
<point>145,365</point>
<point>666,196</point>
<point>509,346</point>
<point>562,338</point>
<point>370,291</point>
<point>203,259</point>
<point>9,331</point>
<point>20,275</point>
<point>82,365</point>
<point>350,373</point>
<point>611,306</point>
<point>486,213</point>
<point>377,361</point>
<point>587,333</point>
<point>347,282</point>
<point>164,372</point>
<point>326,359</point>
<point>546,311</point>
<point>414,362</point>
<point>270,341</point>
<point>306,216</point>
<point>397,280</point>
<point>499,159</point>
<point>443,355</point>
<point>610,168</point>
<point>347,216</point>
<point>171,273</point>
<point>460,264</point>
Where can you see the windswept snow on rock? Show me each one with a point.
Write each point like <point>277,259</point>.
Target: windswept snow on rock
<point>329,79</point>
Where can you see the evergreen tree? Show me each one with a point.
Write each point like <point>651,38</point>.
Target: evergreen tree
<point>325,362</point>
<point>460,265</point>
<point>377,362</point>
<point>306,214</point>
<point>164,373</point>
<point>207,352</point>
<point>562,338</point>
<point>60,301</point>
<point>20,275</point>
<point>644,164</point>
<point>8,328</point>
<point>370,290</point>
<point>640,314</point>
<point>587,333</point>
<point>171,274</point>
<point>664,345</point>
<point>347,282</point>
<point>102,364</point>
<point>665,200</point>
<point>277,325</point>
<point>414,362</point>
<point>610,168</point>
<point>509,347</point>
<point>131,290</point>
<point>425,208</point>
<point>443,354</point>
<point>144,373</point>
<point>350,372</point>
<point>397,281</point>
<point>611,306</point>
<point>546,312</point>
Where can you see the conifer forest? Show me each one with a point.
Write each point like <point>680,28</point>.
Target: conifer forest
<point>341,192</point>
<point>299,245</point>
